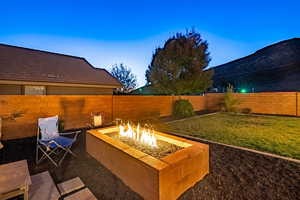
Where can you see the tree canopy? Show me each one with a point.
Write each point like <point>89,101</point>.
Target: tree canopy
<point>178,67</point>
<point>125,76</point>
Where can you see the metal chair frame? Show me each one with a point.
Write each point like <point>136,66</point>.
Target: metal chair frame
<point>47,150</point>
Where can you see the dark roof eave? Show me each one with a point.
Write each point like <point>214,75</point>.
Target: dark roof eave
<point>12,81</point>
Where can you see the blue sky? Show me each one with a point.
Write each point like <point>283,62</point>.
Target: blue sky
<point>109,32</point>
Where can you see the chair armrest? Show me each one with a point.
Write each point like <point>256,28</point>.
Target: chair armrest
<point>69,133</point>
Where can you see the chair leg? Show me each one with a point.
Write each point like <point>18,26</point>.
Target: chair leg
<point>37,154</point>
<point>54,151</point>
<point>52,160</point>
<point>26,192</point>
<point>67,150</point>
<point>71,152</point>
<point>65,154</point>
<point>45,154</point>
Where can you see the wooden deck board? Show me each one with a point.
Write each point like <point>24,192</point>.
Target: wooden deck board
<point>14,176</point>
<point>70,185</point>
<point>43,187</point>
<point>84,194</point>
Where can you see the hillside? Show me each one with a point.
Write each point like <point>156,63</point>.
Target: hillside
<point>273,68</point>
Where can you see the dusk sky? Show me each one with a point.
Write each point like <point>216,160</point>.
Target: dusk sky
<point>110,32</point>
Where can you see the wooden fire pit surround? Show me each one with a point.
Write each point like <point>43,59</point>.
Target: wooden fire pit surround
<point>154,179</point>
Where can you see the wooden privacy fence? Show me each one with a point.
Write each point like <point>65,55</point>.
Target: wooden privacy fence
<point>76,110</point>
<point>278,103</point>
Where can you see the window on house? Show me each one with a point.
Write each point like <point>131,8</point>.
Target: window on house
<point>34,90</point>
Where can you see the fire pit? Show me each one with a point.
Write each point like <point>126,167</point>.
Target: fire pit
<point>153,164</point>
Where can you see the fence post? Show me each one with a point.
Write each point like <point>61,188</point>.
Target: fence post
<point>172,103</point>
<point>112,107</point>
<point>297,113</point>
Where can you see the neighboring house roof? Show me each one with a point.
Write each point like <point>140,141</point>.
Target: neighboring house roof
<point>23,64</point>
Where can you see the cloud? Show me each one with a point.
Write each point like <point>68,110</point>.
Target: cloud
<point>136,54</point>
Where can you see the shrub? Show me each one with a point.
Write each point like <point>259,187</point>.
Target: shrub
<point>183,108</point>
<point>230,102</point>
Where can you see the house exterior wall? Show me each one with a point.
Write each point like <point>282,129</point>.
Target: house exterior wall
<point>56,90</point>
<point>10,89</point>
<point>60,90</point>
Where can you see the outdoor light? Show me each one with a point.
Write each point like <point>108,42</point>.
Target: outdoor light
<point>243,90</point>
<point>97,120</point>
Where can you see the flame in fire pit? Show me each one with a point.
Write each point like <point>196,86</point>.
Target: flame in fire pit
<point>144,136</point>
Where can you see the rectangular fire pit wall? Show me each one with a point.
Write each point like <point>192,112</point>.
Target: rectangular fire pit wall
<point>164,178</point>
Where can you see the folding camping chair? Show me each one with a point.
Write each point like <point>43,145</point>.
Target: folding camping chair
<point>52,143</point>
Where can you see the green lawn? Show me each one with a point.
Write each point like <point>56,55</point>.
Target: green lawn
<point>274,134</point>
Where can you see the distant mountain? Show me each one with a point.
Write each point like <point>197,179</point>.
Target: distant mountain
<point>273,68</point>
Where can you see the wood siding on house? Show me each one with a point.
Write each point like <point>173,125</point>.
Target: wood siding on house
<point>59,90</point>
<point>10,89</point>
<point>56,90</point>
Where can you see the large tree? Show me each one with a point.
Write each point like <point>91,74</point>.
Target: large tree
<point>178,67</point>
<point>125,76</point>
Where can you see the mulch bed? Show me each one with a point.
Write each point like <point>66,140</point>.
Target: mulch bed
<point>234,174</point>
<point>238,174</point>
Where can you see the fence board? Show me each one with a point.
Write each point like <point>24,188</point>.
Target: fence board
<point>280,103</point>
<point>198,102</point>
<point>298,104</point>
<point>74,110</point>
<point>141,107</point>
<point>213,101</point>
